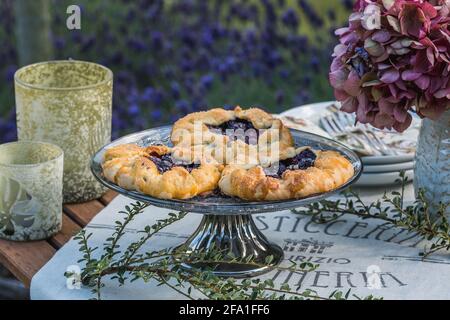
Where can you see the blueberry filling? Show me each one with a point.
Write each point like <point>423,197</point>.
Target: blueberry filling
<point>238,129</point>
<point>301,161</point>
<point>166,162</point>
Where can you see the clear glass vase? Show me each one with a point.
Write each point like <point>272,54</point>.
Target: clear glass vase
<point>432,169</point>
<point>67,103</point>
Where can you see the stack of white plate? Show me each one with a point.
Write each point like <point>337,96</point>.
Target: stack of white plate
<point>385,170</point>
<point>378,170</point>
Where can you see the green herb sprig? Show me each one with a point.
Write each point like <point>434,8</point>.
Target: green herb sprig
<point>166,267</point>
<point>420,217</point>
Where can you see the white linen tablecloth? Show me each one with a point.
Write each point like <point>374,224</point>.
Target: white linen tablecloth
<point>349,251</point>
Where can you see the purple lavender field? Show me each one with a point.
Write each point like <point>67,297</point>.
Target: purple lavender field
<point>178,56</point>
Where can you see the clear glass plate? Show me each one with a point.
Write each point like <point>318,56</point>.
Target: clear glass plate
<point>220,204</point>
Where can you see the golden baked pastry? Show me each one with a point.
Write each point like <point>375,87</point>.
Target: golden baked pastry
<point>308,172</point>
<point>234,136</point>
<point>159,171</point>
<point>259,166</point>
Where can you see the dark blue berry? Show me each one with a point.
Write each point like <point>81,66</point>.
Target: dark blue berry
<point>163,163</point>
<point>238,129</point>
<point>166,162</point>
<point>236,125</point>
<point>301,161</point>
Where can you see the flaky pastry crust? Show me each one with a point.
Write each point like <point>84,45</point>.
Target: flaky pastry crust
<point>192,130</point>
<point>330,171</point>
<point>143,168</point>
<point>131,167</point>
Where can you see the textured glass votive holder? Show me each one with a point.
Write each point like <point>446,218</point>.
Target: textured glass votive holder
<point>68,103</point>
<point>31,182</point>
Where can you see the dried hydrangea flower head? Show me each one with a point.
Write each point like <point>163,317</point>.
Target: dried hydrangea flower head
<point>394,59</point>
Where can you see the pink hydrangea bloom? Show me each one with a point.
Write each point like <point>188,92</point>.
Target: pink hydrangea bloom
<point>394,59</point>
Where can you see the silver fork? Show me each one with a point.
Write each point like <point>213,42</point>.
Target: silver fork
<point>383,146</point>
<point>356,142</point>
<point>349,122</point>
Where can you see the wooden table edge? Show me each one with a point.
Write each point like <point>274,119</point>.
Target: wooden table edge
<point>25,259</point>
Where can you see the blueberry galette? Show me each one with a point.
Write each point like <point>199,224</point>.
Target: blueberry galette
<point>160,171</point>
<point>241,153</point>
<point>234,136</point>
<point>305,173</point>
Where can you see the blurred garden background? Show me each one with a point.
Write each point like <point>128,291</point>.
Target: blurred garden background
<point>172,57</point>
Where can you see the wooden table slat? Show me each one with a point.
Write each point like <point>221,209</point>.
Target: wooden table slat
<point>108,197</point>
<point>84,212</point>
<point>24,259</point>
<point>68,230</point>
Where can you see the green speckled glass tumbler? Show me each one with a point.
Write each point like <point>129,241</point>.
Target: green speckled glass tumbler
<point>67,103</point>
<point>31,183</point>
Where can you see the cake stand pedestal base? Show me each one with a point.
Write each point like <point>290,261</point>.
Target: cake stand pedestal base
<point>237,238</point>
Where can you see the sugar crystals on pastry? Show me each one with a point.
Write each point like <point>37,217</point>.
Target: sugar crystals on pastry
<point>160,171</point>
<point>308,172</point>
<point>261,162</point>
<point>228,134</point>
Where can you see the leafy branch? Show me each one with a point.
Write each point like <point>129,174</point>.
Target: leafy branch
<point>420,217</point>
<point>166,267</point>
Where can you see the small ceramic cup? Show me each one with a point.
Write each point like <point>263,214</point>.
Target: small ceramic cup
<point>31,183</point>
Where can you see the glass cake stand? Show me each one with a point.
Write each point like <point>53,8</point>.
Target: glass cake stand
<point>227,223</point>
